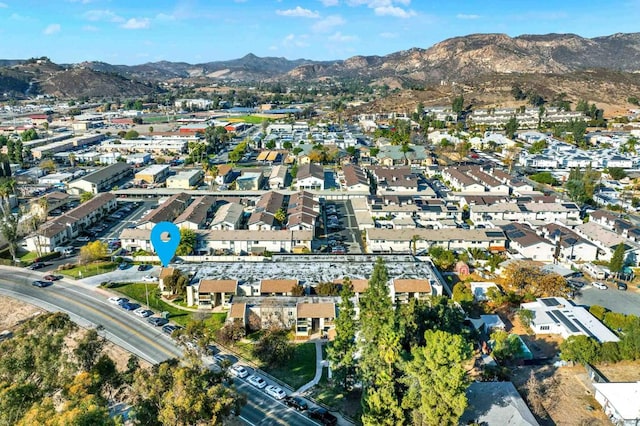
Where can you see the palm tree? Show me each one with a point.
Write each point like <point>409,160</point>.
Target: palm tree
<point>72,159</point>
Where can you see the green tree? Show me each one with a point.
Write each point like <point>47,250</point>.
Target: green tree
<point>131,134</point>
<point>436,379</point>
<point>545,178</point>
<point>274,347</point>
<point>598,311</point>
<point>380,351</point>
<point>327,288</point>
<point>538,146</point>
<point>579,349</point>
<point>462,294</point>
<point>86,196</point>
<point>176,283</point>
<point>457,104</point>
<point>341,351</point>
<point>511,127</point>
<point>617,173</point>
<point>616,264</point>
<point>506,346</point>
<point>93,251</point>
<point>187,244</point>
<point>89,349</point>
<point>281,216</point>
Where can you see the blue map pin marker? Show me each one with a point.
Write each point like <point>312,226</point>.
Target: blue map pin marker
<point>165,249</point>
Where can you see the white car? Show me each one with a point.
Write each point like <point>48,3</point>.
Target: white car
<point>117,300</point>
<point>238,371</point>
<point>149,279</point>
<point>600,285</point>
<point>257,381</point>
<point>275,392</point>
<point>142,312</point>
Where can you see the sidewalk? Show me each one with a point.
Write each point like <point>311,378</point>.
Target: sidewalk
<point>319,366</point>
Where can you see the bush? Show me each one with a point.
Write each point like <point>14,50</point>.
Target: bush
<point>274,347</point>
<point>598,311</point>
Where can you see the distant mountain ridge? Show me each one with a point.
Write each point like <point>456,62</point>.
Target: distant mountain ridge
<point>458,59</point>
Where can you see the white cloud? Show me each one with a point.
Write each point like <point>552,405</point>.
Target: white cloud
<point>90,28</point>
<point>388,35</point>
<point>395,11</point>
<point>298,12</point>
<point>296,41</point>
<point>467,16</point>
<point>329,3</point>
<point>338,37</point>
<point>328,24</point>
<point>102,15</point>
<point>137,24</point>
<point>3,5</point>
<point>165,17</point>
<point>51,29</point>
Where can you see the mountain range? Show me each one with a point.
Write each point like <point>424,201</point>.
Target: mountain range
<point>461,60</point>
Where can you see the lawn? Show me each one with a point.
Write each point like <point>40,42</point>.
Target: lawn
<point>300,369</point>
<point>251,119</point>
<point>29,257</point>
<point>90,270</point>
<point>136,291</point>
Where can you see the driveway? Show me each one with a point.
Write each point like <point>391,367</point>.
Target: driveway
<point>626,302</point>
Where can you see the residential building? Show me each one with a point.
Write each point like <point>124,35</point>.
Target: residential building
<point>314,316</point>
<point>279,177</point>
<point>228,217</point>
<point>402,290</point>
<point>310,177</point>
<point>302,211</point>
<point>44,205</point>
<point>570,245</point>
<point>355,178</point>
<point>496,403</point>
<point>167,211</point>
<point>556,315</point>
<point>619,401</point>
<point>277,287</point>
<point>209,294</point>
<point>246,241</point>
<point>101,180</point>
<point>249,181</point>
<point>263,216</point>
<point>62,229</point>
<point>403,240</point>
<point>189,179</point>
<point>528,243</point>
<point>153,174</point>
<point>196,214</point>
<point>607,241</point>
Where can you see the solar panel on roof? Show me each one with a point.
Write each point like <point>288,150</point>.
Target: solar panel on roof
<point>570,325</point>
<point>493,233</point>
<point>550,301</point>
<point>585,329</point>
<point>516,234</point>
<point>552,317</point>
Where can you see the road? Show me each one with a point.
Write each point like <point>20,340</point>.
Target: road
<point>88,307</point>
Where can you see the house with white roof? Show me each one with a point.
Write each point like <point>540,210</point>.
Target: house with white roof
<point>557,315</point>
<point>620,402</point>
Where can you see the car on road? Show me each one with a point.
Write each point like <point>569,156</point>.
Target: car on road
<point>41,284</point>
<point>123,266</point>
<point>323,416</point>
<point>599,285</point>
<point>157,321</point>
<point>621,286</point>
<point>296,403</point>
<point>142,312</point>
<point>575,284</point>
<point>52,277</point>
<point>83,239</point>
<point>275,392</point>
<point>257,381</point>
<point>37,265</point>
<point>143,267</point>
<point>129,306</point>
<point>149,279</point>
<point>238,371</point>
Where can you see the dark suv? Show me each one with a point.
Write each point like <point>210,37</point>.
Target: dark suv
<point>295,402</point>
<point>323,416</point>
<point>621,286</point>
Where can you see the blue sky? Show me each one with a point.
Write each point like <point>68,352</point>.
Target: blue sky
<point>139,31</point>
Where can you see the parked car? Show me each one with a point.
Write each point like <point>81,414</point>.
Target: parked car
<point>149,279</point>
<point>169,329</point>
<point>599,285</point>
<point>123,266</point>
<point>275,392</point>
<point>41,284</point>
<point>144,267</point>
<point>221,359</point>
<point>621,285</point>
<point>257,381</point>
<point>157,321</point>
<point>37,265</point>
<point>323,416</point>
<point>52,277</point>
<point>238,371</point>
<point>142,312</point>
<point>296,403</point>
<point>117,300</point>
<point>129,306</point>
<point>83,239</point>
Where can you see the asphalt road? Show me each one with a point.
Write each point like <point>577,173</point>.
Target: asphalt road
<point>89,308</point>
<point>626,302</point>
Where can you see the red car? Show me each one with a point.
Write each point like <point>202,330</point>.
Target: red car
<point>52,277</point>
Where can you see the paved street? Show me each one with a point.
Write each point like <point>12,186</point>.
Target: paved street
<point>626,302</point>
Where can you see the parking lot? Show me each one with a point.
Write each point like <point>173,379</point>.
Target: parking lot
<point>341,228</point>
<point>626,302</point>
